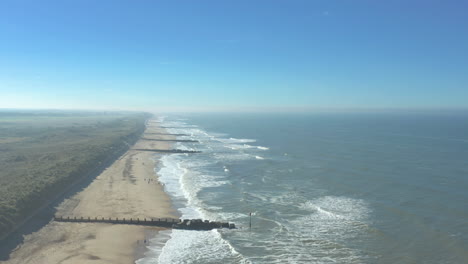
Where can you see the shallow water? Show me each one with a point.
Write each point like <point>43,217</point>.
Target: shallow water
<point>322,188</point>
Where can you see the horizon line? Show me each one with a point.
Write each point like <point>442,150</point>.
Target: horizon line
<point>252,109</point>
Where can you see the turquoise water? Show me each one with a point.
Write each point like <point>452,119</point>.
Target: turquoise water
<point>323,188</point>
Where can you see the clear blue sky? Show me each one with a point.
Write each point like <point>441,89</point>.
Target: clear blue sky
<point>239,54</point>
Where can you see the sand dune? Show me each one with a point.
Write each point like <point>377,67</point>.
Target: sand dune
<point>122,190</point>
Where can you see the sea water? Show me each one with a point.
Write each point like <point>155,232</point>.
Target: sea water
<point>318,188</point>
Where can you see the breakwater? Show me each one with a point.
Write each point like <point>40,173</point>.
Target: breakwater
<point>188,224</point>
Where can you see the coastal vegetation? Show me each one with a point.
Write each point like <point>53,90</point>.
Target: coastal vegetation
<point>44,153</point>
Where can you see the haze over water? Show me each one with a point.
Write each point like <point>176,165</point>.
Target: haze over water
<point>324,188</point>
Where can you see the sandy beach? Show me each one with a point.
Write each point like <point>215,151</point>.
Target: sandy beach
<point>128,188</point>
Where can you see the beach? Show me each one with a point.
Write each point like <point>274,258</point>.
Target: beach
<point>129,188</point>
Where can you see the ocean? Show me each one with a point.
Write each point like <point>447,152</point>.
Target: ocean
<point>320,188</point>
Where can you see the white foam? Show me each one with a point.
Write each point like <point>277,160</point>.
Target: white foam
<point>169,174</point>
<point>181,146</point>
<point>199,247</point>
<point>244,146</point>
<point>180,247</point>
<point>232,156</point>
<point>316,237</point>
<point>331,215</point>
<point>183,181</point>
<point>332,207</point>
<point>236,146</point>
<point>228,216</point>
<point>259,158</point>
<point>235,140</point>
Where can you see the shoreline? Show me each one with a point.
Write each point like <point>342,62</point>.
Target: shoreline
<point>129,187</point>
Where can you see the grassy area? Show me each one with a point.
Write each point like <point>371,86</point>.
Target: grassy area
<point>42,153</point>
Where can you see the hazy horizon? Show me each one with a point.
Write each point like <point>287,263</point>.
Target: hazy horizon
<point>253,110</point>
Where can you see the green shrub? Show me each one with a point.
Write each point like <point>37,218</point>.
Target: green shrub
<point>54,152</point>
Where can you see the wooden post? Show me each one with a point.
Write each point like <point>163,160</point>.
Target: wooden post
<point>250,220</point>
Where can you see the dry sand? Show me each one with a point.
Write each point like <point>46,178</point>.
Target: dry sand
<point>122,190</point>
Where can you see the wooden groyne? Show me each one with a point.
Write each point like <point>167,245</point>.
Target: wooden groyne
<point>172,140</point>
<point>169,150</point>
<point>188,224</point>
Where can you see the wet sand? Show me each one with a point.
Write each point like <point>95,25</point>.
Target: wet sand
<point>128,188</point>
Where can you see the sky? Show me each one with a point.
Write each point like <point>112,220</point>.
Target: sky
<point>233,55</point>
